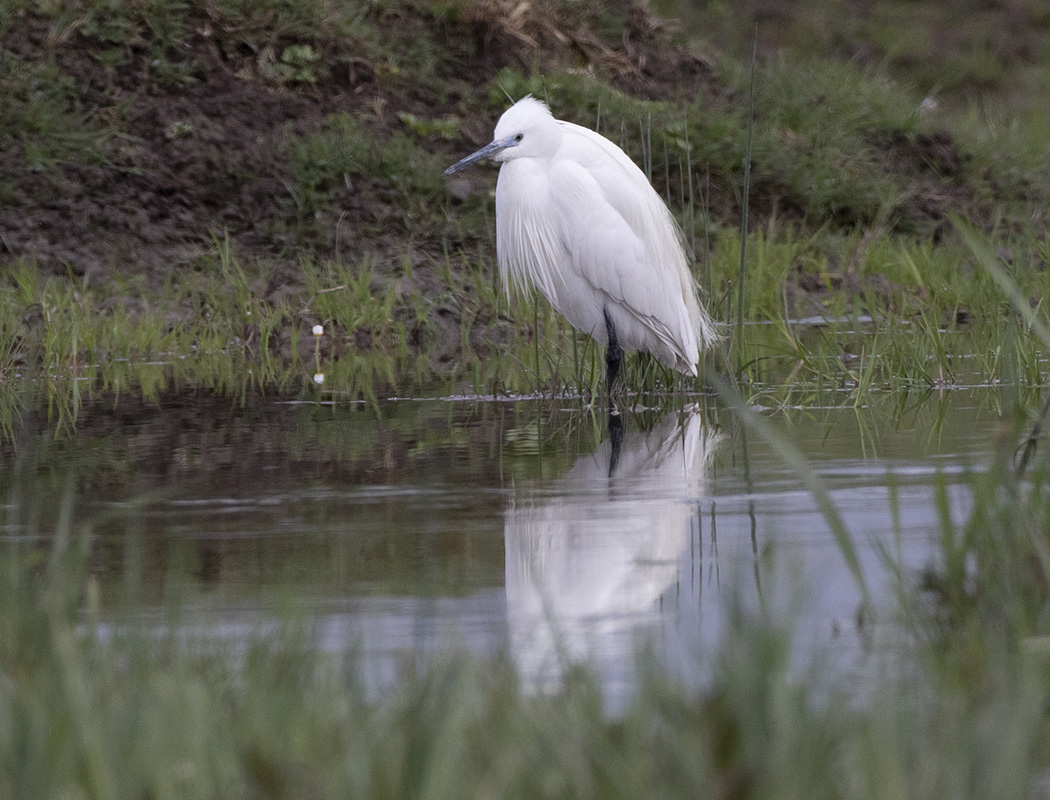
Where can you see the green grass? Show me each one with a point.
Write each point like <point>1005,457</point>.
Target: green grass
<point>936,320</point>
<point>848,189</point>
<point>44,120</point>
<point>843,226</point>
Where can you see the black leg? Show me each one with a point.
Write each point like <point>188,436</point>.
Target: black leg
<point>615,440</point>
<point>613,354</point>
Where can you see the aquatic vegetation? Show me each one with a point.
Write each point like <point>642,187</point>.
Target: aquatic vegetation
<point>904,318</point>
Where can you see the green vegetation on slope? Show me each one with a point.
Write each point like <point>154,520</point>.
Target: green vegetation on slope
<point>160,159</point>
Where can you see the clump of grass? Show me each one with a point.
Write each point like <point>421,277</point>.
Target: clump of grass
<point>43,119</point>
<point>831,169</point>
<point>935,324</point>
<point>325,162</point>
<point>831,143</point>
<point>345,161</point>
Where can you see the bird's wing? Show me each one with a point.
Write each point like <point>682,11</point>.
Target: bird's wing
<point>623,242</point>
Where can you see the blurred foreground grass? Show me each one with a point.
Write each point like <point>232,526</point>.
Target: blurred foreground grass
<point>951,702</point>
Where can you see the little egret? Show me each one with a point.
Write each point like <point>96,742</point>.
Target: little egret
<point>578,220</point>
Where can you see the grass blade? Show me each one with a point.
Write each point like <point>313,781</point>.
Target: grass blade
<point>791,456</point>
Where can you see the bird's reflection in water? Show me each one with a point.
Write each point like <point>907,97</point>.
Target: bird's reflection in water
<point>589,556</point>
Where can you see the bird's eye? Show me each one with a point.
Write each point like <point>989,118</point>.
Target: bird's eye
<point>518,137</point>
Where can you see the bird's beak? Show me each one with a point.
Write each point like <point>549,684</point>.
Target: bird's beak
<point>488,151</point>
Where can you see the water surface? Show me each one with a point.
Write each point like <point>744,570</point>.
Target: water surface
<point>530,528</point>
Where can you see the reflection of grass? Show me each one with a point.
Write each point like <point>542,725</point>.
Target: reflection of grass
<point>960,698</point>
<point>962,691</point>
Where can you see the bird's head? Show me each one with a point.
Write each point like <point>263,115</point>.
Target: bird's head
<point>526,130</point>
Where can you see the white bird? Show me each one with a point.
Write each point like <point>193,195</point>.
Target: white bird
<point>577,219</point>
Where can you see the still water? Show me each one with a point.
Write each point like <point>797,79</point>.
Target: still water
<point>526,528</point>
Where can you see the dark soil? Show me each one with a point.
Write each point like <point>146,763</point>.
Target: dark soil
<point>195,161</point>
<point>932,164</point>
<point>196,157</point>
<point>196,125</point>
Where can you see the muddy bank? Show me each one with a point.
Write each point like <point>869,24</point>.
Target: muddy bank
<point>169,139</point>
<point>186,139</point>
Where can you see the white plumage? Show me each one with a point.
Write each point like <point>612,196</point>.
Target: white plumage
<point>589,557</point>
<point>577,219</point>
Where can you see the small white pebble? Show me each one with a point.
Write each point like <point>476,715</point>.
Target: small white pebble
<point>318,330</point>
<point>319,377</point>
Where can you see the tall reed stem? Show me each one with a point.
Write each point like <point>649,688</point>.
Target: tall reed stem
<point>739,338</point>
